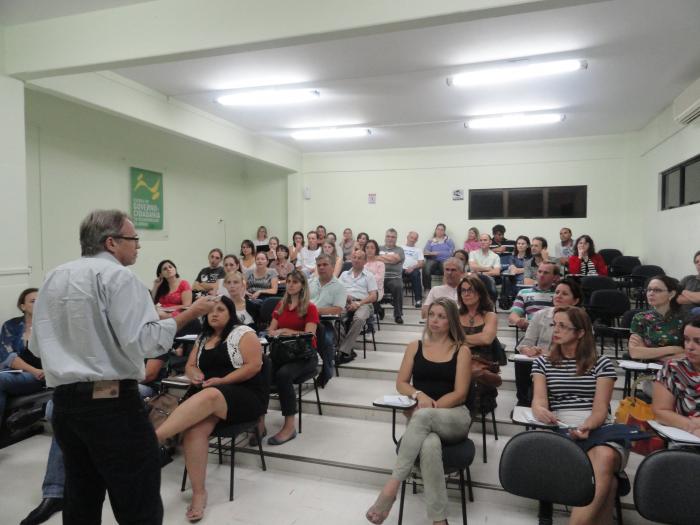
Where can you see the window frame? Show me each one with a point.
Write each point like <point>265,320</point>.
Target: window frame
<point>582,188</point>
<point>681,183</point>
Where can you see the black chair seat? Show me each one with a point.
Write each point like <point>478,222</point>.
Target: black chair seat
<point>665,487</point>
<point>15,402</point>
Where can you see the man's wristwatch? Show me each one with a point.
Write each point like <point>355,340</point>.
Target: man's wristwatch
<point>414,396</point>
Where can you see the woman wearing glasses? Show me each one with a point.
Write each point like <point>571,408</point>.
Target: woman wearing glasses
<point>574,385</point>
<point>657,334</point>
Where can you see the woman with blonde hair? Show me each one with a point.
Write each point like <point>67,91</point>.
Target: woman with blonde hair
<point>436,372</point>
<point>294,314</point>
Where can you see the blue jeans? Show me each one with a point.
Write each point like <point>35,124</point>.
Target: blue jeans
<point>416,284</point>
<point>55,477</point>
<point>695,311</point>
<point>16,384</point>
<point>326,347</point>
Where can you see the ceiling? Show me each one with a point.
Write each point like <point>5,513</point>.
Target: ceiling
<point>641,54</point>
<point>14,12</point>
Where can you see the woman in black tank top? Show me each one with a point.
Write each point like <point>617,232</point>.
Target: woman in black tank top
<point>225,370</point>
<point>435,371</point>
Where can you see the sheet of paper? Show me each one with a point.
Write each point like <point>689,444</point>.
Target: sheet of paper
<point>188,337</point>
<point>523,357</point>
<point>632,365</point>
<point>675,434</point>
<point>399,401</point>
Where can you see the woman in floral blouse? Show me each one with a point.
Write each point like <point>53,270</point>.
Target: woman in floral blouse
<point>657,334</point>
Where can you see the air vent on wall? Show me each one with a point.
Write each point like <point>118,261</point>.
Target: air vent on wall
<point>686,107</point>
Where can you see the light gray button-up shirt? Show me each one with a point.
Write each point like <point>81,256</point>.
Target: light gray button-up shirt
<point>94,320</point>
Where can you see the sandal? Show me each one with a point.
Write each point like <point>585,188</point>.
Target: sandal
<point>378,512</point>
<point>195,514</point>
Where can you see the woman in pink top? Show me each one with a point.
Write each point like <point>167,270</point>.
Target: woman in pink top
<point>472,242</point>
<point>171,293</point>
<point>375,266</point>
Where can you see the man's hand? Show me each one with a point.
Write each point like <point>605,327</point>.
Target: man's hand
<point>38,374</point>
<point>204,305</point>
<point>353,305</point>
<point>522,323</point>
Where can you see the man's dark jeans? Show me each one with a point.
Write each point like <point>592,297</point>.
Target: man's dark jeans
<point>108,445</point>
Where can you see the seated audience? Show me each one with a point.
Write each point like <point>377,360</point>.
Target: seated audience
<point>281,264</point>
<point>538,249</point>
<point>261,237</point>
<point>329,249</point>
<point>480,323</point>
<point>472,242</point>
<point>690,286</point>
<point>207,280</point>
<point>170,293</point>
<point>484,260</point>
<point>295,246</point>
<point>347,245</point>
<point>462,256</point>
<point>435,371</point>
<point>657,334</point>
<point>247,256</point>
<point>226,385</point>
<point>412,265</point>
<point>231,264</point>
<point>294,314</point>
<point>453,272</point>
<point>586,261</point>
<point>274,243</point>
<point>247,311</point>
<point>677,386</point>
<point>261,281</point>
<point>538,336</point>
<point>565,248</point>
<point>361,289</point>
<point>437,250</point>
<point>574,385</point>
<point>329,296</point>
<point>321,233</point>
<point>331,237</point>
<point>499,244</point>
<point>306,260</point>
<point>393,257</point>
<point>531,300</point>
<point>53,486</point>
<point>16,355</point>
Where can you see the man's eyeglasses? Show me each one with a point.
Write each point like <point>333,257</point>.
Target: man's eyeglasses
<point>126,238</point>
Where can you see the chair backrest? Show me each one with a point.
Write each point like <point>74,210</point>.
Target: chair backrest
<point>623,265</point>
<point>547,467</point>
<point>609,254</point>
<point>597,282</point>
<point>266,310</point>
<point>665,487</point>
<point>612,303</point>
<point>647,270</point>
<point>626,320</point>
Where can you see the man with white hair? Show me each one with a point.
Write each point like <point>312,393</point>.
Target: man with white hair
<point>453,270</point>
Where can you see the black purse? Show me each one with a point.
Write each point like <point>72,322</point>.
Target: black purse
<point>289,348</point>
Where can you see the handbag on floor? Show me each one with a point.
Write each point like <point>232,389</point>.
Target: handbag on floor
<point>289,348</point>
<point>635,411</point>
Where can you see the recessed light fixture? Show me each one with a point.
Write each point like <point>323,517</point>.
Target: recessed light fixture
<point>331,133</point>
<point>269,97</point>
<point>514,121</point>
<point>512,73</point>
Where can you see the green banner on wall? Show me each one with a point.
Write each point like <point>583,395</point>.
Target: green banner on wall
<point>147,199</point>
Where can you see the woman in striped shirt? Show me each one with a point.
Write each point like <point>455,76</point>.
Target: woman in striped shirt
<point>573,385</point>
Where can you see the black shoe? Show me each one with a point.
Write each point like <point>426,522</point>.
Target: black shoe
<point>323,379</point>
<point>418,304</point>
<point>253,440</point>
<point>345,358</point>
<point>165,455</point>
<point>47,508</point>
<point>399,320</point>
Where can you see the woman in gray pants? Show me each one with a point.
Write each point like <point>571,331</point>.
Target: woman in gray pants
<point>436,372</point>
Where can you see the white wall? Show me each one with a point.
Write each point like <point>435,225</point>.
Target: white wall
<point>414,186</point>
<point>79,159</point>
<point>668,238</point>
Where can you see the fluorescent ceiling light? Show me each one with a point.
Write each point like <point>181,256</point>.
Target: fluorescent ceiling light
<point>513,121</point>
<point>500,75</point>
<point>268,97</point>
<point>330,133</point>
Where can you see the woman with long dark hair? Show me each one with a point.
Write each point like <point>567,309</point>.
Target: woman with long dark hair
<point>586,261</point>
<point>171,293</point>
<point>227,385</point>
<point>574,385</point>
<point>247,255</point>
